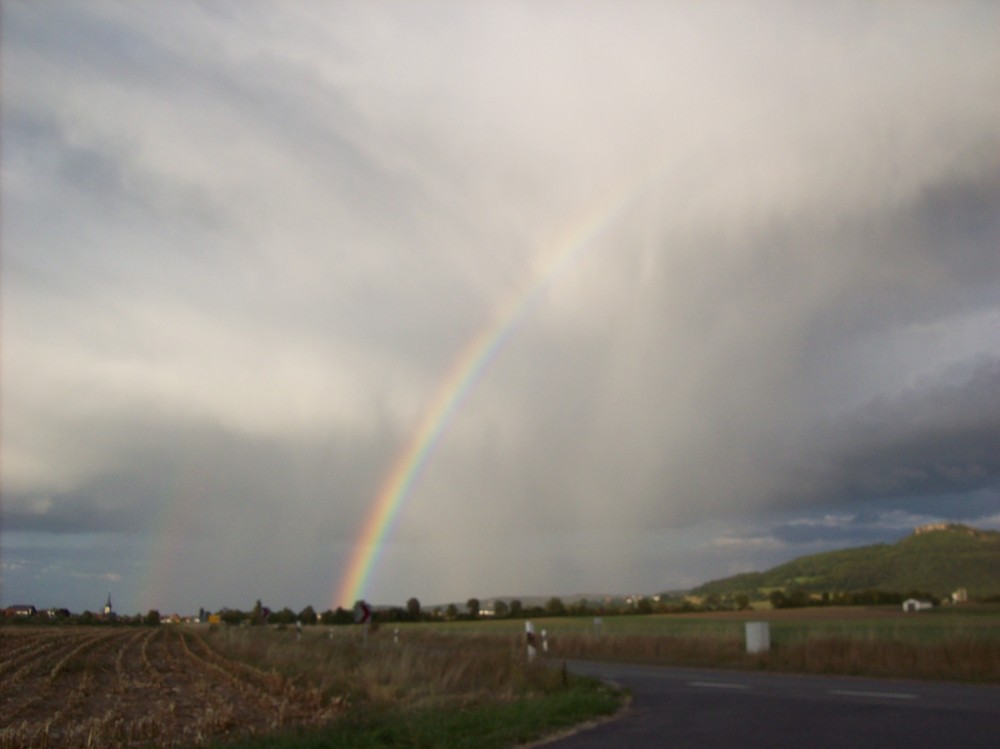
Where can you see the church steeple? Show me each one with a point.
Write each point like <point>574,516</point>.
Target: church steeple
<point>107,606</point>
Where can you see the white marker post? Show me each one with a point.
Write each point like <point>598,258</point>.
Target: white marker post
<point>545,641</point>
<point>529,631</point>
<point>758,637</point>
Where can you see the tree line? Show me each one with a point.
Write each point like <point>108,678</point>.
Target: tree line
<point>413,611</point>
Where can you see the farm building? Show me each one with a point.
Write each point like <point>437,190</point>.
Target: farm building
<point>21,610</point>
<point>912,604</point>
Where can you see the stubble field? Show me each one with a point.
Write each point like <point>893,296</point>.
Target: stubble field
<point>116,687</point>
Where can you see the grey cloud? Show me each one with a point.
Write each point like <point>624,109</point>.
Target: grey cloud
<point>62,514</point>
<point>936,438</point>
<point>253,240</point>
<point>200,480</point>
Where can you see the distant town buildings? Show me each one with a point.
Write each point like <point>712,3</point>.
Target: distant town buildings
<point>20,610</point>
<point>931,527</point>
<point>956,527</point>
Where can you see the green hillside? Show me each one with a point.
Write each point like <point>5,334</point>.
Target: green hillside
<point>935,559</point>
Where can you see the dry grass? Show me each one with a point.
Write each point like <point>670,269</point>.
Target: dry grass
<point>957,659</point>
<point>422,668</point>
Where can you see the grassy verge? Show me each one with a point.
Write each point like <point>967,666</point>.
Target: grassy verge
<point>494,725</point>
<point>420,689</point>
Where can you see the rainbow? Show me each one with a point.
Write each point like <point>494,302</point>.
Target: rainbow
<point>462,376</point>
<point>173,520</point>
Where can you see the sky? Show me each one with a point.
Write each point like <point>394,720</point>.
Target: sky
<point>663,292</point>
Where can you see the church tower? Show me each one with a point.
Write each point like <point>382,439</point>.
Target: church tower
<point>107,606</point>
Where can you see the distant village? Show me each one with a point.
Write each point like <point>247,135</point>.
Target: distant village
<point>498,608</point>
<point>105,615</point>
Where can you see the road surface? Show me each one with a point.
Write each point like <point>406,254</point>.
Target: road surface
<point>673,708</point>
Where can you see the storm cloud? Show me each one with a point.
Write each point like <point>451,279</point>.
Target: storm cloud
<point>244,243</point>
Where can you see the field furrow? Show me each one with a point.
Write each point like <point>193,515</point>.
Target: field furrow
<point>120,687</point>
<point>33,681</point>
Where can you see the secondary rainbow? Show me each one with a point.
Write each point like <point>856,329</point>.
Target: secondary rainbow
<point>463,374</point>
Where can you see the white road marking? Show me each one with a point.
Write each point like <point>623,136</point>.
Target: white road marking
<point>717,685</point>
<point>887,695</point>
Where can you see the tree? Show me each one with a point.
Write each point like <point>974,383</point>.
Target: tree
<point>778,599</point>
<point>452,611</point>
<point>798,599</point>
<point>308,615</point>
<point>152,618</point>
<point>257,614</point>
<point>413,609</point>
<point>501,609</point>
<point>555,607</point>
<point>742,601</point>
<point>340,616</point>
<point>232,616</point>
<point>516,607</point>
<point>473,606</point>
<point>285,616</point>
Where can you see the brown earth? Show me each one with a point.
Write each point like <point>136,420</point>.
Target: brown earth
<point>122,687</point>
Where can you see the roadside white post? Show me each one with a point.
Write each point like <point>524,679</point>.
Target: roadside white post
<point>545,641</point>
<point>529,632</point>
<point>597,626</point>
<point>758,637</point>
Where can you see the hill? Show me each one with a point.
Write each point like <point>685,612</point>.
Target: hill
<point>938,559</point>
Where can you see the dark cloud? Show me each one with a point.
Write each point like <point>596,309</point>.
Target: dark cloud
<point>936,438</point>
<point>68,515</point>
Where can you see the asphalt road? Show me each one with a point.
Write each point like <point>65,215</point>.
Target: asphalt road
<point>674,708</point>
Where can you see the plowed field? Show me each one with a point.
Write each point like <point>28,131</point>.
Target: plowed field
<point>123,687</point>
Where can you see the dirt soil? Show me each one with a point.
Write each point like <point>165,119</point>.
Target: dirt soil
<point>123,687</point>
